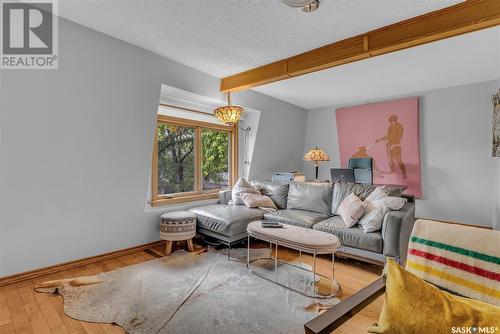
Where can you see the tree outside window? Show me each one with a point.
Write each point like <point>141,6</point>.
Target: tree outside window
<point>215,164</point>
<point>175,159</point>
<point>191,159</point>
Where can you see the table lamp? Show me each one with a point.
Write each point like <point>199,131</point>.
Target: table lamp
<point>316,155</point>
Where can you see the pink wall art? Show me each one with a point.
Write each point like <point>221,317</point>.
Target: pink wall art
<point>388,132</point>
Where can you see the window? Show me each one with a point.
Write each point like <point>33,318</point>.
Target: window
<point>192,160</point>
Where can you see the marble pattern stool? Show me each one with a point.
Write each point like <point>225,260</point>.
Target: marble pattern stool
<point>177,226</point>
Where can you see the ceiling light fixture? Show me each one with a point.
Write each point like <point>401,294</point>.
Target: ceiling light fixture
<point>306,5</point>
<point>229,114</point>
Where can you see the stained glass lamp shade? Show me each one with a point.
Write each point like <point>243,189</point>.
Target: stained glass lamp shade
<point>229,114</point>
<point>316,155</point>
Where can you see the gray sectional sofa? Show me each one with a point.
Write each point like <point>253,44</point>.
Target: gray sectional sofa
<point>312,205</point>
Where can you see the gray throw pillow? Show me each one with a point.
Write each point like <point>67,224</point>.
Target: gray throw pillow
<point>310,196</point>
<point>277,191</point>
<point>343,189</point>
<point>242,186</point>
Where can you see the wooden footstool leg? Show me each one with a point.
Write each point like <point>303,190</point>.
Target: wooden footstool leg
<point>168,248</point>
<point>179,226</point>
<point>190,245</point>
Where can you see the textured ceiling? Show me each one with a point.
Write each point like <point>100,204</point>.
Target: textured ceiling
<point>223,37</point>
<point>461,60</point>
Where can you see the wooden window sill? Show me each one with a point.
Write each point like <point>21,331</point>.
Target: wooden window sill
<point>184,199</point>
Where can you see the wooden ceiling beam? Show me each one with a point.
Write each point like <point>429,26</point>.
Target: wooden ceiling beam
<point>458,19</point>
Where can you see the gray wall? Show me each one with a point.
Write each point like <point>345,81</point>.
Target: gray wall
<point>76,147</point>
<point>2,236</point>
<point>458,171</point>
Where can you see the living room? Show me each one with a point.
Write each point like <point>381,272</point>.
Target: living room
<point>93,190</point>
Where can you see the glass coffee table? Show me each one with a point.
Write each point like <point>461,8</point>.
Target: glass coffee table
<point>300,239</point>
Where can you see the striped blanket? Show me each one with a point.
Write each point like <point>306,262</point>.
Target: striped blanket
<point>462,259</point>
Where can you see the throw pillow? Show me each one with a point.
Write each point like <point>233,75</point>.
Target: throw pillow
<point>378,193</point>
<point>413,306</point>
<point>342,189</point>
<point>394,190</point>
<point>394,203</point>
<point>375,211</point>
<point>242,186</point>
<point>256,201</point>
<point>351,209</point>
<point>374,215</point>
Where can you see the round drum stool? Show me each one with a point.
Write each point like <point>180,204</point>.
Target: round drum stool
<point>177,226</point>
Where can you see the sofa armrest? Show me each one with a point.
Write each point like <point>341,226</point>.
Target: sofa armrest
<point>340,313</point>
<point>396,230</point>
<point>225,196</point>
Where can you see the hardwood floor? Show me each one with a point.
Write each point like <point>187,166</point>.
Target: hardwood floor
<point>23,311</point>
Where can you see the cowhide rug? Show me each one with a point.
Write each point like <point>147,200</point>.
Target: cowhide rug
<point>192,293</point>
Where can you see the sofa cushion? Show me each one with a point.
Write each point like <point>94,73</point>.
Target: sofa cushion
<point>226,219</point>
<point>276,190</point>
<point>351,236</point>
<point>295,217</point>
<point>343,189</point>
<point>308,196</point>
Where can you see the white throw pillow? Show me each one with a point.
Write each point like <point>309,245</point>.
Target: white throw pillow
<point>257,201</point>
<point>351,209</point>
<point>375,211</point>
<point>242,186</point>
<point>376,194</point>
<point>374,215</point>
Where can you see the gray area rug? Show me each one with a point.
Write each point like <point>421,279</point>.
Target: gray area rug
<point>192,293</point>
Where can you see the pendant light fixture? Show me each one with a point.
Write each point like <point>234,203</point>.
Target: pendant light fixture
<point>307,6</point>
<point>229,114</point>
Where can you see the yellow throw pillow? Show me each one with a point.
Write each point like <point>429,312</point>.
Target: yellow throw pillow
<point>413,306</point>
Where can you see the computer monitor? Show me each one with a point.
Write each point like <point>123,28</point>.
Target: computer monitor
<point>342,174</point>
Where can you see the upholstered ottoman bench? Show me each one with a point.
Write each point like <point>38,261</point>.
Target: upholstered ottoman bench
<point>177,226</point>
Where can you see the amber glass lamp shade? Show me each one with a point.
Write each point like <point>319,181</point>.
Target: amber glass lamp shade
<point>229,114</point>
<point>316,155</point>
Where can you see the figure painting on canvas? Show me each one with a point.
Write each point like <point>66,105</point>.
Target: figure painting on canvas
<point>496,124</point>
<point>388,133</point>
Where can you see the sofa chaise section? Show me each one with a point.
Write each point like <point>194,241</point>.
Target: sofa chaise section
<point>227,223</point>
